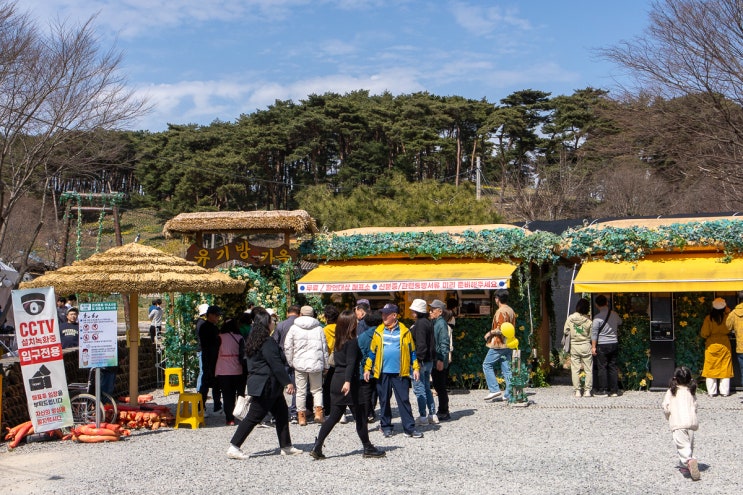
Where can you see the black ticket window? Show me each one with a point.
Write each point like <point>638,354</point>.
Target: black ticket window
<point>661,316</point>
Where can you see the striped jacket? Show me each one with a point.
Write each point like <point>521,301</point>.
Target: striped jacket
<point>376,352</point>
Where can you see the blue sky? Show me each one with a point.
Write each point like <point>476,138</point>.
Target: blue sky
<point>201,60</point>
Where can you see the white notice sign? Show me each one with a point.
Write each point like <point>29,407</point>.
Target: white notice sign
<point>98,337</point>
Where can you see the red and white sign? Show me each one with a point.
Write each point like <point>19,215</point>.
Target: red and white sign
<point>40,354</point>
<point>403,285</point>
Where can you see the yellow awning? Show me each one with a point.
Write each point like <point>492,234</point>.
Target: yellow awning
<point>672,272</point>
<point>377,275</point>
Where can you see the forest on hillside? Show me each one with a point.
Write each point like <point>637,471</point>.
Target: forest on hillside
<point>670,145</point>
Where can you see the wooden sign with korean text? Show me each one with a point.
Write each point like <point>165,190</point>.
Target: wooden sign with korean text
<point>241,251</point>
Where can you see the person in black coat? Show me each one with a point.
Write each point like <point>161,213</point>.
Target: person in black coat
<point>344,388</point>
<point>267,378</point>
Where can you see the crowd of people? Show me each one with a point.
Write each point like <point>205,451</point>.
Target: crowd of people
<point>357,358</point>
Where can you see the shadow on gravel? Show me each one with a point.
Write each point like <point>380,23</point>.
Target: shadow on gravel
<point>462,413</point>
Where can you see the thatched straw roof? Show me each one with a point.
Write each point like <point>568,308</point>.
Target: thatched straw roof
<point>447,229</point>
<point>135,268</point>
<point>298,221</point>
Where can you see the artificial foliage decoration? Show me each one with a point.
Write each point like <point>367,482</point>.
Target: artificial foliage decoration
<point>504,244</point>
<point>519,381</point>
<point>690,310</point>
<point>636,242</point>
<point>180,342</point>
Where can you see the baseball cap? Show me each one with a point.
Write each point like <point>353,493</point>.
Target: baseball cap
<point>307,311</point>
<point>214,310</point>
<point>202,309</point>
<point>389,308</point>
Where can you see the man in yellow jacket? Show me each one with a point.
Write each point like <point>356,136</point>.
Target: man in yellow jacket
<point>734,323</point>
<point>391,358</point>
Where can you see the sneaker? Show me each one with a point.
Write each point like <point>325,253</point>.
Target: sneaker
<point>317,454</point>
<point>493,395</point>
<point>601,394</point>
<point>694,469</point>
<point>577,393</point>
<point>387,433</point>
<point>344,419</point>
<point>230,423</point>
<point>218,410</point>
<point>235,453</point>
<point>414,434</point>
<point>291,450</point>
<point>613,394</point>
<point>293,420</point>
<point>444,417</point>
<point>372,451</point>
<point>372,418</point>
<point>433,419</point>
<point>265,424</point>
<point>422,421</point>
<point>588,394</point>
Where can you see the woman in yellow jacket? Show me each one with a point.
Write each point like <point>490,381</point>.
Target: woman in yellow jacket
<point>735,324</point>
<point>718,359</point>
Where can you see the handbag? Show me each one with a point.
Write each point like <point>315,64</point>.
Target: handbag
<point>566,342</point>
<point>331,360</point>
<point>242,404</point>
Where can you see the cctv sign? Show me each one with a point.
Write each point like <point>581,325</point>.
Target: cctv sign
<point>40,354</point>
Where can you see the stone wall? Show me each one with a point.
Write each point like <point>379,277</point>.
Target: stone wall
<point>15,408</point>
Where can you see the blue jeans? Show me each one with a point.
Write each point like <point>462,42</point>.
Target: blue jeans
<point>422,389</point>
<point>492,358</point>
<point>201,371</point>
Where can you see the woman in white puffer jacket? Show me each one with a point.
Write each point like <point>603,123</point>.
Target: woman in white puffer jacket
<point>307,352</point>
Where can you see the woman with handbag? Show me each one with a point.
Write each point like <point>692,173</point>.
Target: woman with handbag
<point>229,368</point>
<point>267,380</point>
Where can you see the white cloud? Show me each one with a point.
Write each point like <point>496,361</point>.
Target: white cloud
<point>482,20</point>
<point>129,18</point>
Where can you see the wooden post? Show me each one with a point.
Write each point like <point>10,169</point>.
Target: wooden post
<point>66,233</point>
<point>133,339</point>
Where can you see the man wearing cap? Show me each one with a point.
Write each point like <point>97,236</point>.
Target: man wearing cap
<point>209,340</point>
<point>391,357</point>
<point>425,351</point>
<point>441,362</point>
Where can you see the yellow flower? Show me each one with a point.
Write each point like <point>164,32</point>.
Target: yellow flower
<point>633,331</point>
<point>648,376</point>
<point>522,328</point>
<point>625,315</point>
<point>701,299</point>
<point>643,383</point>
<point>683,323</point>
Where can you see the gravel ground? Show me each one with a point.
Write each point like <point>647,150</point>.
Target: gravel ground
<point>559,444</point>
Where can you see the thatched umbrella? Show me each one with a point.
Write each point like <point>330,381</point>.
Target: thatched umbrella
<point>133,269</point>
